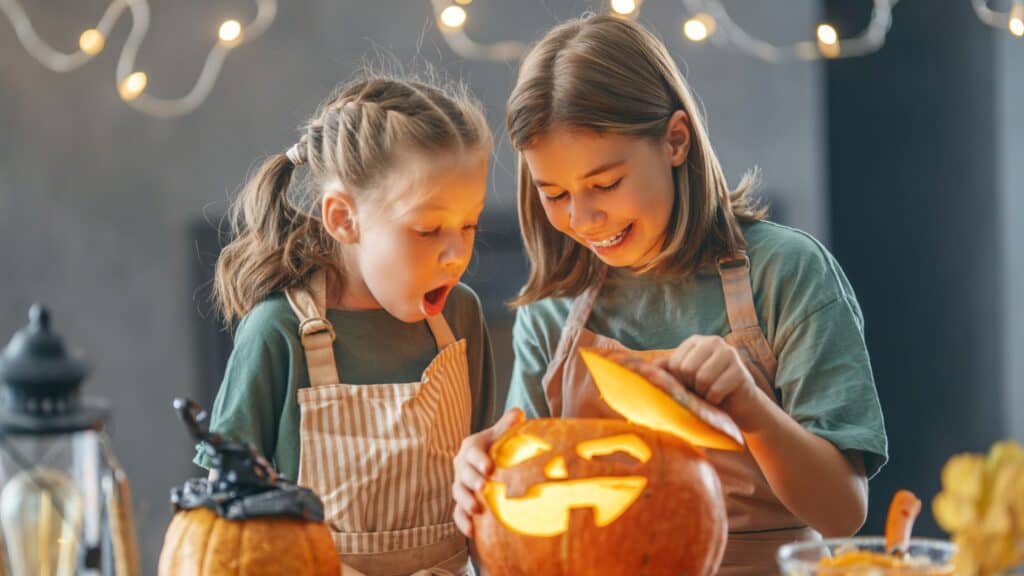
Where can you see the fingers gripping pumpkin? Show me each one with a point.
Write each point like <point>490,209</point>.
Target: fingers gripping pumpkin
<point>609,497</point>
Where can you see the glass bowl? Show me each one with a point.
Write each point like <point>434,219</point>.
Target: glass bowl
<point>926,557</point>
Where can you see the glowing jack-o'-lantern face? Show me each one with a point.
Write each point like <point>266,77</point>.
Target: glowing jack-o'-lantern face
<point>609,497</point>
<point>544,509</point>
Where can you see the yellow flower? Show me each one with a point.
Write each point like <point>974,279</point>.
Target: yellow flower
<point>956,506</point>
<point>981,505</point>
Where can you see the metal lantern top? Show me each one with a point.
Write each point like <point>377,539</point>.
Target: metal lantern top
<point>41,381</point>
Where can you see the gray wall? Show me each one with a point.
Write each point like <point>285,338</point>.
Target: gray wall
<point>1010,132</point>
<point>96,199</point>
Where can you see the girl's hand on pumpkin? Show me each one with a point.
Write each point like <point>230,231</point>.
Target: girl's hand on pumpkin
<point>715,371</point>
<point>472,467</point>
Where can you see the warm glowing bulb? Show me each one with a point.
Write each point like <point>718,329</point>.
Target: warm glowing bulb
<point>91,41</point>
<point>1017,26</point>
<point>132,85</point>
<point>700,27</point>
<point>827,35</point>
<point>624,7</point>
<point>695,30</point>
<point>453,17</point>
<point>1016,22</point>
<point>230,32</point>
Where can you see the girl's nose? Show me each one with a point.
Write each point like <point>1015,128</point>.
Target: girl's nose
<point>586,218</point>
<point>457,250</point>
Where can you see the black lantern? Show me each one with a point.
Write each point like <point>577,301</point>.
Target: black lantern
<point>65,503</point>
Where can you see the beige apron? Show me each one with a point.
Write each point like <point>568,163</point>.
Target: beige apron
<point>758,522</point>
<point>380,455</point>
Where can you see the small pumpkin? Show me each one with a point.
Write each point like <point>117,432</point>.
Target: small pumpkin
<point>199,541</point>
<point>244,520</point>
<point>609,497</point>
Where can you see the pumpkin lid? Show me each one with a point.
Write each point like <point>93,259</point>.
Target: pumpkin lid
<point>242,483</point>
<point>681,413</point>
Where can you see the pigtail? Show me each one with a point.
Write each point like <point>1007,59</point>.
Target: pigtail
<point>274,245</point>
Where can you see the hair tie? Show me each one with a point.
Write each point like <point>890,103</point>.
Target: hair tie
<point>294,154</point>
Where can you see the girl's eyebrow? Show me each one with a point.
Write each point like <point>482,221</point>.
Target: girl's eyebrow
<point>594,172</point>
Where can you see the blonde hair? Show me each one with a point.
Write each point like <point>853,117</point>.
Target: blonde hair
<point>354,139</point>
<point>611,75</point>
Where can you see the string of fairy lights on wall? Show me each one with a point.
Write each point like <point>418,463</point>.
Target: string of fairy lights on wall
<point>709,21</point>
<point>703,21</point>
<point>131,82</point>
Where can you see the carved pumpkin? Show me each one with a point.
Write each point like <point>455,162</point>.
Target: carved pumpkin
<point>609,497</point>
<point>198,541</point>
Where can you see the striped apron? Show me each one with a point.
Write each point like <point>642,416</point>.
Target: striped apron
<point>758,522</point>
<point>380,455</point>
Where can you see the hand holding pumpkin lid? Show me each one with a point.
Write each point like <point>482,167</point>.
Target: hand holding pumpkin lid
<point>650,397</point>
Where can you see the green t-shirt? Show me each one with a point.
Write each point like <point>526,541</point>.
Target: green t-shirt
<point>806,308</point>
<point>257,401</point>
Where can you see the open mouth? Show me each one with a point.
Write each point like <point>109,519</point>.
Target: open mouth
<point>612,242</point>
<point>544,509</point>
<point>433,301</point>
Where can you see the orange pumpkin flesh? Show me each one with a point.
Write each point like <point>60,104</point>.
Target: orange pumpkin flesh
<point>684,414</point>
<point>201,543</point>
<point>588,497</point>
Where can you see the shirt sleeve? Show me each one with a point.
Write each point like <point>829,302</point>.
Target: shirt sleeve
<point>826,384</point>
<point>249,402</point>
<point>526,390</point>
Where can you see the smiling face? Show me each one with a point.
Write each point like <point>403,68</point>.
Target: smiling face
<point>571,496</point>
<point>612,193</point>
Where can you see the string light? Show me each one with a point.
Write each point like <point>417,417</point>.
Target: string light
<point>624,7</point>
<point>92,41</point>
<point>453,16</point>
<point>466,47</point>
<point>827,34</point>
<point>230,32</point>
<point>1016,23</point>
<point>1013,20</point>
<point>131,84</point>
<point>699,27</point>
<point>724,31</point>
<point>709,20</point>
<point>828,41</point>
<point>1017,27</point>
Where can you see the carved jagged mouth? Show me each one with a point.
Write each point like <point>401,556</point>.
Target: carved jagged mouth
<point>544,509</point>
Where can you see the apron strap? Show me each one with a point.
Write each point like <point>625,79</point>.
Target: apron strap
<point>746,333</point>
<point>739,298</point>
<point>574,324</point>
<point>441,330</point>
<point>309,303</point>
<point>584,303</point>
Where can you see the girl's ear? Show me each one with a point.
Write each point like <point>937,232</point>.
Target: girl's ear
<point>339,215</point>
<point>677,137</point>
